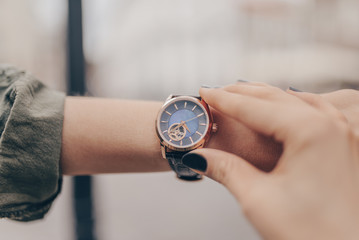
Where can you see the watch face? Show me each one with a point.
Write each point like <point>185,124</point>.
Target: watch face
<point>183,122</point>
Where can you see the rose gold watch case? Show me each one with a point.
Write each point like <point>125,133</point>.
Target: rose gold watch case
<point>167,146</point>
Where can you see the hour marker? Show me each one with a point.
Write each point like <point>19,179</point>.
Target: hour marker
<point>198,133</point>
<point>200,114</point>
<point>185,104</point>
<point>170,140</point>
<point>194,107</point>
<point>164,131</point>
<point>181,143</point>
<point>202,124</point>
<point>168,113</point>
<point>190,138</point>
<point>164,121</point>
<point>176,107</point>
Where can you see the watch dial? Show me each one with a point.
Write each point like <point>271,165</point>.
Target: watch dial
<point>183,123</point>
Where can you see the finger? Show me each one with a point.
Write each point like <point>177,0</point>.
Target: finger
<point>271,118</point>
<point>243,82</point>
<point>260,91</point>
<point>319,103</point>
<point>235,173</point>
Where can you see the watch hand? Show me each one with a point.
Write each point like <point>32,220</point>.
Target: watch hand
<point>193,118</point>
<point>185,125</point>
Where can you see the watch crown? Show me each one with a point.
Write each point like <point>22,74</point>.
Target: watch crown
<point>214,127</point>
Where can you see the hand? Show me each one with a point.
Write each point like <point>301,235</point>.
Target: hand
<point>313,192</point>
<point>234,137</point>
<point>347,101</point>
<point>263,151</point>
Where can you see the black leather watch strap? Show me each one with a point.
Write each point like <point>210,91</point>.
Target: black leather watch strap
<point>183,172</point>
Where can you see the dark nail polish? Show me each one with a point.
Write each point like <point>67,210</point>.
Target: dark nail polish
<point>294,89</point>
<point>241,80</point>
<point>195,161</point>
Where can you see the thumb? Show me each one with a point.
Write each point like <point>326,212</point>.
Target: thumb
<point>235,173</point>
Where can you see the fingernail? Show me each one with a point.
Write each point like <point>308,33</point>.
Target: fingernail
<point>294,89</point>
<point>210,87</point>
<point>241,80</point>
<point>195,161</point>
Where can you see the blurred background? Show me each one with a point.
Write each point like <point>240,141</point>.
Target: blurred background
<point>147,49</point>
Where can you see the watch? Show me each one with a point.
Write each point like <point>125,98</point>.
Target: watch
<point>184,123</point>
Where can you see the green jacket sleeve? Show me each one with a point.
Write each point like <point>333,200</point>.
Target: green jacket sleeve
<point>31,118</point>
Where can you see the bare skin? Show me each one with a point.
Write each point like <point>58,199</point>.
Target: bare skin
<point>313,191</point>
<point>346,101</point>
<point>110,136</point>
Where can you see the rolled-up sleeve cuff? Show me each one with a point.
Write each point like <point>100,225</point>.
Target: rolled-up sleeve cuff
<point>31,118</point>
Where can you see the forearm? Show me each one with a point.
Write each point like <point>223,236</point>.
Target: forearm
<point>110,136</point>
